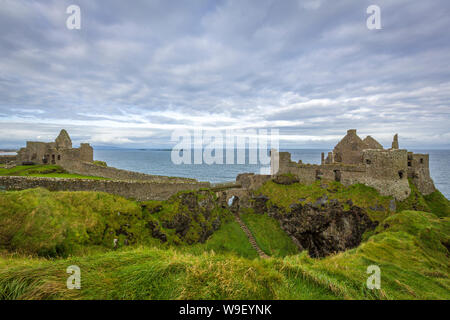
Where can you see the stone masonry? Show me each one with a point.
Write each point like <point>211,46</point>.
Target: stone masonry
<point>354,160</point>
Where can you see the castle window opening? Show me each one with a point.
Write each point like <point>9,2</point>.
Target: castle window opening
<point>368,161</point>
<point>230,201</point>
<point>319,175</point>
<point>421,160</point>
<point>409,163</point>
<point>59,157</point>
<point>400,174</point>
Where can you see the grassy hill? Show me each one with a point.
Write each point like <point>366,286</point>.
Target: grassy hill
<point>190,247</point>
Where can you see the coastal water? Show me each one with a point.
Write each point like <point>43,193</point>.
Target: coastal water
<point>159,162</point>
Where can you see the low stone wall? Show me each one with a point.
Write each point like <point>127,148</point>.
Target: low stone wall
<point>139,190</point>
<point>5,159</point>
<point>90,169</point>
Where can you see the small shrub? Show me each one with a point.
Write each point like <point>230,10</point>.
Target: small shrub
<point>100,163</point>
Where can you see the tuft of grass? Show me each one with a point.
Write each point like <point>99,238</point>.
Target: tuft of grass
<point>100,163</point>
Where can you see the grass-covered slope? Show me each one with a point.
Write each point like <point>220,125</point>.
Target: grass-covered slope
<point>410,249</point>
<point>206,255</point>
<point>229,239</point>
<point>268,235</point>
<point>434,202</point>
<point>37,221</point>
<point>49,171</point>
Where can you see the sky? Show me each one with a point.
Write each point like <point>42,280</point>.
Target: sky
<point>136,71</point>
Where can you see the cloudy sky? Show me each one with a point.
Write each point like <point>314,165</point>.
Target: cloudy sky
<point>137,70</point>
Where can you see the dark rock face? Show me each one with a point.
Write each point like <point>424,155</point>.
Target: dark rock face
<point>377,207</point>
<point>156,231</point>
<point>259,204</point>
<point>324,227</point>
<point>195,211</point>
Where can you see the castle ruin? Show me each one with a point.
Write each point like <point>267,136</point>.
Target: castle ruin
<point>58,152</point>
<point>354,160</point>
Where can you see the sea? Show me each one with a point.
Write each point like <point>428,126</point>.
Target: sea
<point>159,162</point>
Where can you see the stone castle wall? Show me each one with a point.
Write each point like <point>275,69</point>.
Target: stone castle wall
<point>6,159</point>
<point>90,169</point>
<point>419,172</point>
<point>251,181</point>
<point>139,190</point>
<point>56,152</point>
<point>381,172</point>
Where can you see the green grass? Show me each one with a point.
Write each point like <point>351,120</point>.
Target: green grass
<point>37,221</point>
<point>42,233</point>
<point>434,202</point>
<point>268,235</point>
<point>230,238</point>
<point>40,222</point>
<point>50,171</point>
<point>152,273</point>
<point>201,219</point>
<point>409,252</point>
<point>100,163</point>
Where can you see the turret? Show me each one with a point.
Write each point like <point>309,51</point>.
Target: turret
<point>395,142</point>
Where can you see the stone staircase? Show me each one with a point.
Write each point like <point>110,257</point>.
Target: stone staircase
<point>250,237</point>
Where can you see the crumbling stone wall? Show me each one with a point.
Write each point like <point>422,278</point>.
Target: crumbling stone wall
<point>349,149</point>
<point>56,152</point>
<point>372,143</point>
<point>356,161</point>
<point>419,172</point>
<point>90,169</point>
<point>7,159</point>
<point>139,190</point>
<point>252,181</point>
<point>384,179</point>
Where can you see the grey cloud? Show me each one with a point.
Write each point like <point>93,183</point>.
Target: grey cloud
<point>136,71</point>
